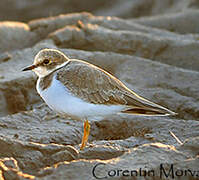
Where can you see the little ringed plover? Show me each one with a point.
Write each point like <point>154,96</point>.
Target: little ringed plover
<point>84,91</point>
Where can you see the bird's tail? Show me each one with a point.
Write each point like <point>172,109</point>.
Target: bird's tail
<point>149,112</point>
<point>141,106</point>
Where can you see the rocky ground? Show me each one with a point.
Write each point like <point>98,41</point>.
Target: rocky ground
<point>155,56</point>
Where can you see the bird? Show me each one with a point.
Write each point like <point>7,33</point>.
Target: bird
<point>86,92</point>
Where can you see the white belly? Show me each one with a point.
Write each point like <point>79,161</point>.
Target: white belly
<point>58,98</point>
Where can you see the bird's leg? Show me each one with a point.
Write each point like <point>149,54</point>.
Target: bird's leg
<point>86,134</point>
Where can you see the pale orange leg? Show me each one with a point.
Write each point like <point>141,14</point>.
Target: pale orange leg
<point>86,134</point>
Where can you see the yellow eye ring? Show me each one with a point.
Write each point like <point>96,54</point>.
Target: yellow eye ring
<point>46,61</point>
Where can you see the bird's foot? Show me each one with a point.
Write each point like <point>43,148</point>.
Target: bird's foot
<point>86,134</point>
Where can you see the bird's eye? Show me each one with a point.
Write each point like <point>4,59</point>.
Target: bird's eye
<point>46,61</point>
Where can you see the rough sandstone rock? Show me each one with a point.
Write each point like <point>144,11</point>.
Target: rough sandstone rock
<point>15,35</point>
<point>170,22</point>
<point>144,8</point>
<point>115,35</point>
<point>154,62</point>
<point>23,10</point>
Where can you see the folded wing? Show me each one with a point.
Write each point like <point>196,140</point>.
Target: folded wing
<point>96,86</point>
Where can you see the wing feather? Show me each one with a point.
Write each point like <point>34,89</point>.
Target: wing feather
<point>92,84</point>
<point>96,86</point>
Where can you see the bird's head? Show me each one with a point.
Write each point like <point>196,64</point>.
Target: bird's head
<point>47,61</point>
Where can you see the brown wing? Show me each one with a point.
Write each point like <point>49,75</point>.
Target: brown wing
<point>91,83</point>
<point>94,85</point>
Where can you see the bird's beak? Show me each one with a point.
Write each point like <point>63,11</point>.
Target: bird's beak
<point>29,68</point>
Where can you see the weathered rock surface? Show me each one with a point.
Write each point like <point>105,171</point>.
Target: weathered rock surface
<point>26,10</point>
<point>155,56</point>
<point>15,35</point>
<point>170,22</point>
